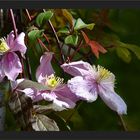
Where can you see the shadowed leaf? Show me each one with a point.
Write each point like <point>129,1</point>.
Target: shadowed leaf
<point>68,16</point>
<point>43,123</point>
<point>124,54</point>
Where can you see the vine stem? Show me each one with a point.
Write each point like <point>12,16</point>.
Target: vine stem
<point>57,40</point>
<point>15,32</point>
<point>14,23</point>
<point>122,123</point>
<point>74,111</point>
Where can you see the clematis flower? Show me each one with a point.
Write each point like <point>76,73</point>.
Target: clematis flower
<point>91,81</point>
<point>53,87</point>
<point>10,64</point>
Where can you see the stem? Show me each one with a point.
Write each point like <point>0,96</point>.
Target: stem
<point>77,49</point>
<point>2,112</point>
<point>69,117</point>
<point>14,23</point>
<point>122,122</point>
<point>42,44</point>
<point>15,32</point>
<point>27,61</point>
<point>1,18</point>
<point>27,12</point>
<point>57,40</point>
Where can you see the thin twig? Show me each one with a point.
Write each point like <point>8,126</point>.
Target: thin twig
<point>122,123</point>
<point>27,12</point>
<point>1,18</point>
<point>14,23</point>
<point>74,111</point>
<point>27,61</point>
<point>77,49</point>
<point>57,40</point>
<point>15,32</point>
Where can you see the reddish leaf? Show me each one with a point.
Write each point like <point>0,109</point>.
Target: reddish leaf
<point>95,46</point>
<point>85,37</point>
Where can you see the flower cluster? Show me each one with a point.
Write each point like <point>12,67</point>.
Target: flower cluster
<point>10,64</point>
<point>88,81</point>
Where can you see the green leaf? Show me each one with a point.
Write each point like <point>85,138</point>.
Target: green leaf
<point>43,17</point>
<point>79,24</point>
<point>34,34</point>
<point>64,30</point>
<point>124,54</point>
<point>43,123</point>
<point>71,39</point>
<point>134,48</point>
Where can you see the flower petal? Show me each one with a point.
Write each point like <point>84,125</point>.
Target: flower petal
<point>10,39</point>
<point>11,65</point>
<point>79,68</point>
<point>61,97</point>
<point>33,93</point>
<point>14,84</point>
<point>64,94</point>
<point>108,83</point>
<point>19,44</point>
<point>82,89</point>
<point>113,101</point>
<point>45,67</point>
<point>49,96</point>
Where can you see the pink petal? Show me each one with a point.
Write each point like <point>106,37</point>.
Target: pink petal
<point>82,89</point>
<point>11,65</point>
<point>14,84</point>
<point>19,44</point>
<point>45,67</point>
<point>79,68</point>
<point>33,93</point>
<point>64,94</point>
<point>10,39</point>
<point>61,97</point>
<point>108,83</point>
<point>113,101</point>
<point>49,96</point>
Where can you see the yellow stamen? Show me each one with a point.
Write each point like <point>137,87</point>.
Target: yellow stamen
<point>3,46</point>
<point>53,81</point>
<point>103,73</point>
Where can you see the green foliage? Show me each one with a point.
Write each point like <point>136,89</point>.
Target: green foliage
<point>71,39</point>
<point>43,18</point>
<point>79,24</point>
<point>34,34</point>
<point>124,54</point>
<point>64,30</point>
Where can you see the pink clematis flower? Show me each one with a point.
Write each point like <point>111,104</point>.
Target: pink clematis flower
<point>56,91</point>
<point>10,64</point>
<point>91,81</point>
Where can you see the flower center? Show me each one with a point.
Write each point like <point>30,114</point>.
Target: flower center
<point>102,73</point>
<point>3,46</point>
<point>53,81</point>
